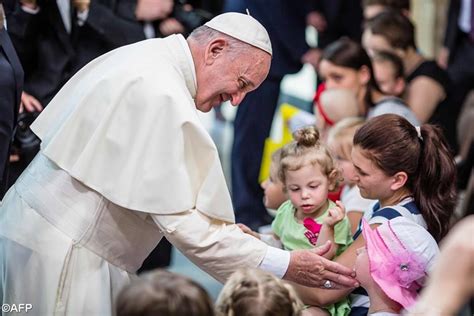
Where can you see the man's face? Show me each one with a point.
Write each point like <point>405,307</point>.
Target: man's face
<point>230,77</point>
<point>374,43</point>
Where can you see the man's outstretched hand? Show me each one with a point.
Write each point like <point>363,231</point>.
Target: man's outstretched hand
<point>309,268</point>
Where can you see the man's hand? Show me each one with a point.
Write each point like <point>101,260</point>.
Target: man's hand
<point>247,230</point>
<point>29,103</point>
<point>30,4</point>
<point>317,20</point>
<point>309,268</point>
<point>312,57</point>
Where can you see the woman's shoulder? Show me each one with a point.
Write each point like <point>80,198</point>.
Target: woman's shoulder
<point>430,69</point>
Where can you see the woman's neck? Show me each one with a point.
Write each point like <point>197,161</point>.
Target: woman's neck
<point>395,198</point>
<point>412,60</point>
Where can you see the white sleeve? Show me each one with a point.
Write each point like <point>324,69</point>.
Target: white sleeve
<point>276,261</point>
<point>217,247</point>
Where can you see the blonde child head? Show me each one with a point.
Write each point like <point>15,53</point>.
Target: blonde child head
<point>254,292</point>
<point>307,149</point>
<point>273,190</point>
<point>163,293</point>
<point>339,141</point>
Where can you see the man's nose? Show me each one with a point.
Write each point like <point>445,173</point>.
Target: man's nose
<point>237,97</point>
<point>264,184</point>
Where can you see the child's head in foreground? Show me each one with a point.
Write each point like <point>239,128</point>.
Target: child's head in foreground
<point>253,292</point>
<point>340,142</point>
<point>164,293</point>
<point>398,255</point>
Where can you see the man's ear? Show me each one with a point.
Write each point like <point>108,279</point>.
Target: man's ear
<point>214,50</point>
<point>399,179</point>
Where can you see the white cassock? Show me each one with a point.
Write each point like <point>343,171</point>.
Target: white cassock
<point>124,161</point>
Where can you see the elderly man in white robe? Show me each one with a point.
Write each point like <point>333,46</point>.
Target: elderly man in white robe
<point>125,161</point>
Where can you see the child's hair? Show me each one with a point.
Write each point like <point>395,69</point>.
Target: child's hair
<point>393,144</point>
<point>253,292</point>
<point>276,158</point>
<point>398,5</point>
<point>396,28</point>
<point>163,293</point>
<point>395,61</point>
<point>341,135</point>
<point>350,54</point>
<point>307,149</point>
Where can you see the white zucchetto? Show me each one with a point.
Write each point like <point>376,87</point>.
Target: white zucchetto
<point>242,27</point>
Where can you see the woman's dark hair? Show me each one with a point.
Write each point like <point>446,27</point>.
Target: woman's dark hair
<point>396,28</point>
<point>347,53</point>
<point>389,4</point>
<point>392,143</point>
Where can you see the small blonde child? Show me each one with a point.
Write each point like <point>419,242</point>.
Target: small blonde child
<point>163,293</point>
<point>339,141</point>
<point>273,190</point>
<point>254,292</point>
<point>308,219</point>
<point>393,265</point>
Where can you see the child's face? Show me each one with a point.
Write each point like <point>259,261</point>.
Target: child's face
<point>385,76</point>
<point>361,267</point>
<point>274,196</point>
<point>372,181</point>
<point>348,170</point>
<point>308,190</point>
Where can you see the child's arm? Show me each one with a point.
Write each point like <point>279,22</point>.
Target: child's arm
<point>335,215</point>
<point>270,239</point>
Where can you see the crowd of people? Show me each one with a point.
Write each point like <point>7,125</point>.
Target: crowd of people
<point>364,196</point>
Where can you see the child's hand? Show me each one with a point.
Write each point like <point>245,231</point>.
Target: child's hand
<point>335,214</point>
<point>247,230</point>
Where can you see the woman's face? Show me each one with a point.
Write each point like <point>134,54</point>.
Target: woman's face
<point>341,77</point>
<point>372,181</point>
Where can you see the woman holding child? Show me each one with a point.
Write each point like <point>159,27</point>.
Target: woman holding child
<point>411,173</point>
